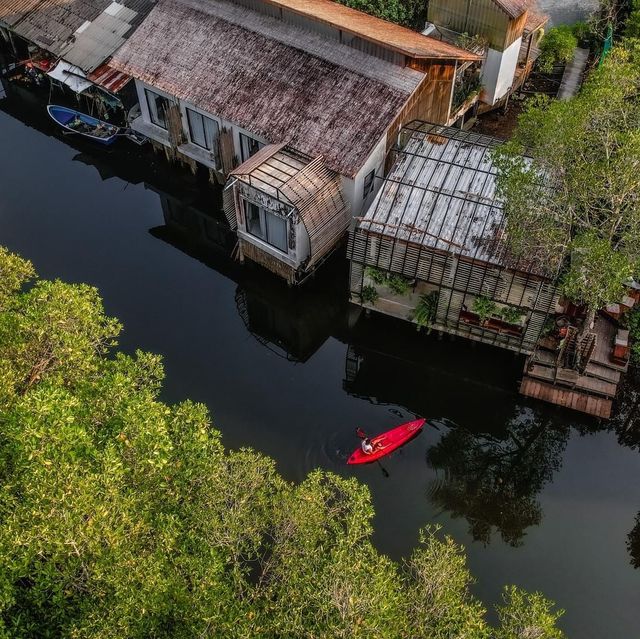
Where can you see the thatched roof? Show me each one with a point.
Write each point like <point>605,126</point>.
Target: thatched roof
<point>274,79</point>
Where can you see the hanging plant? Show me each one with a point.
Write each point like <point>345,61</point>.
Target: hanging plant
<point>369,295</point>
<point>425,311</point>
<point>484,308</point>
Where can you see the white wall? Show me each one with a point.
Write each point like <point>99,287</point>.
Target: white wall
<point>352,189</point>
<point>498,72</point>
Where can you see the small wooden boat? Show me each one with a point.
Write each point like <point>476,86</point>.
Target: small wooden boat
<point>386,443</point>
<point>83,124</point>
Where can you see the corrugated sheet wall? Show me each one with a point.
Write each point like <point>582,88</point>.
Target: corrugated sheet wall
<point>473,17</point>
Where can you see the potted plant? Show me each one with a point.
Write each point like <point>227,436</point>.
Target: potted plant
<point>484,308</point>
<point>369,295</point>
<point>511,315</point>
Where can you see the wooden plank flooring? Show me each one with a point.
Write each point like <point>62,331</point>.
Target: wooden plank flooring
<point>596,406</point>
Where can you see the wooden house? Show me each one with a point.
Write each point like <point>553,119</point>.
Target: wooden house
<point>431,248</point>
<point>509,29</point>
<point>219,79</point>
<point>289,211</point>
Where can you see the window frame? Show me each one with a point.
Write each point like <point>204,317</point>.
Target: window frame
<point>249,139</point>
<point>149,94</point>
<point>191,112</point>
<point>262,216</point>
<point>367,190</point>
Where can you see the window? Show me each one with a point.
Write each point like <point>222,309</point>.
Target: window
<point>368,184</point>
<point>203,131</point>
<point>158,108</point>
<point>266,226</point>
<point>248,146</point>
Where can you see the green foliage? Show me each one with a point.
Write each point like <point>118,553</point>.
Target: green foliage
<point>632,25</point>
<point>398,284</point>
<point>597,272</point>
<point>484,307</point>
<point>369,294</point>
<point>122,516</point>
<point>558,45</point>
<point>575,202</point>
<point>376,275</point>
<point>525,615</point>
<point>511,315</point>
<point>409,13</point>
<point>14,272</point>
<point>633,324</point>
<point>425,311</point>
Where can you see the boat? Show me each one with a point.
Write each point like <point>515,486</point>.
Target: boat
<point>387,442</point>
<point>83,124</point>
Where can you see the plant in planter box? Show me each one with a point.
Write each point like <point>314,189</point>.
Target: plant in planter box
<point>511,315</point>
<point>375,274</point>
<point>425,311</point>
<point>484,308</point>
<point>398,284</point>
<point>369,295</point>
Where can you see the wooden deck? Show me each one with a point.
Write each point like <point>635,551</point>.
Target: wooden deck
<point>591,391</point>
<point>596,406</point>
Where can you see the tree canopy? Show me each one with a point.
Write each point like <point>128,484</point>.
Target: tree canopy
<point>574,201</point>
<point>122,516</point>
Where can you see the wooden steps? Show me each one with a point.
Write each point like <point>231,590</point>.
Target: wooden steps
<point>572,379</point>
<point>576,400</point>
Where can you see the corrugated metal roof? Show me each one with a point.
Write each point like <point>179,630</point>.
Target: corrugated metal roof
<point>83,32</point>
<point>109,78</point>
<point>441,193</point>
<point>387,34</point>
<point>277,91</point>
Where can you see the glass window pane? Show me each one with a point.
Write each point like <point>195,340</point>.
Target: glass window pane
<point>196,128</point>
<point>254,225</point>
<point>158,106</point>
<point>276,231</point>
<point>210,133</point>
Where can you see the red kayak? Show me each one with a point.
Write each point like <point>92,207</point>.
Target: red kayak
<point>386,443</point>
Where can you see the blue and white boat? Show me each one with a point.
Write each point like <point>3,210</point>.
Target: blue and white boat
<point>83,124</point>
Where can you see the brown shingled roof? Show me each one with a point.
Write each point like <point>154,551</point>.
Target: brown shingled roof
<point>386,34</point>
<point>277,91</point>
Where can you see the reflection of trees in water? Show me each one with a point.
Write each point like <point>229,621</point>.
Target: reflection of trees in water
<point>492,480</point>
<point>627,426</point>
<point>633,543</point>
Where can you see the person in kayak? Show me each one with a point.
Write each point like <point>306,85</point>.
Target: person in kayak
<point>368,446</point>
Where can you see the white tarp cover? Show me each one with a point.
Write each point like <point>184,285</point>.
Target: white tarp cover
<point>72,76</point>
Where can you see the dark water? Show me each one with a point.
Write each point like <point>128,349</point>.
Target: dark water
<point>540,497</point>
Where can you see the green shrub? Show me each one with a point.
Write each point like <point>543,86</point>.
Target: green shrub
<point>558,45</point>
<point>369,295</point>
<point>425,311</point>
<point>484,307</point>
<point>633,323</point>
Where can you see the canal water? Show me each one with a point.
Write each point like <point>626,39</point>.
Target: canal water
<point>540,497</point>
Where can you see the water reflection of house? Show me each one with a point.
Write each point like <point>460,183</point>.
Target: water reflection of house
<point>293,323</point>
<point>219,80</point>
<point>387,364</point>
<point>431,248</point>
<point>508,30</point>
<point>72,42</point>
